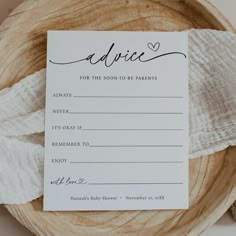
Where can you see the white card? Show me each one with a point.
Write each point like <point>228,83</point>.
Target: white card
<point>116,134</point>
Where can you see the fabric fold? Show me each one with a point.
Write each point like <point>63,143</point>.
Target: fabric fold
<point>24,97</point>
<point>21,171</point>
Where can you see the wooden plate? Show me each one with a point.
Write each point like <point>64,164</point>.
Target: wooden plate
<point>23,51</point>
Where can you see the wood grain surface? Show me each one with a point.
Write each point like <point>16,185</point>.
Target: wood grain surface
<point>212,186</point>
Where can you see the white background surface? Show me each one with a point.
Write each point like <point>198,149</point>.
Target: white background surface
<point>224,226</point>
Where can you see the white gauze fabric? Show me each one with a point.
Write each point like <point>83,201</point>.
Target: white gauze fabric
<point>212,115</point>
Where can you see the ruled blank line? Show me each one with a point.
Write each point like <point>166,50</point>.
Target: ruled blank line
<point>126,162</point>
<point>132,129</point>
<point>128,97</point>
<point>95,146</point>
<point>131,183</point>
<point>126,113</point>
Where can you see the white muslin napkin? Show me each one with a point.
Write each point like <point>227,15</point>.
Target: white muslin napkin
<point>212,115</point>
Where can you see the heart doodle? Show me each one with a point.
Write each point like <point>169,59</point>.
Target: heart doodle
<point>154,47</point>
